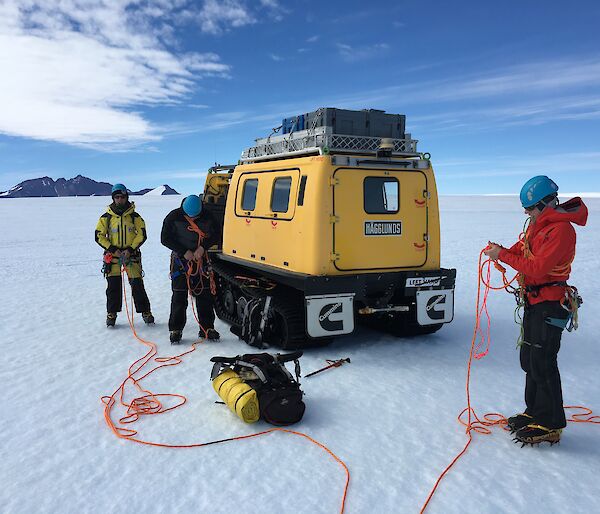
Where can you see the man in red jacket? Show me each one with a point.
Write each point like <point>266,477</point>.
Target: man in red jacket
<point>543,259</point>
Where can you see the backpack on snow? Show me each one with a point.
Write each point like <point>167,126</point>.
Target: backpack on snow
<point>258,385</point>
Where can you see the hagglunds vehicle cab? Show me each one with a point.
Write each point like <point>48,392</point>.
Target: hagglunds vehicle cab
<point>334,221</point>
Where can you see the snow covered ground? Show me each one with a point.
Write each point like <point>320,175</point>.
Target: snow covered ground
<point>390,414</point>
<point>157,191</point>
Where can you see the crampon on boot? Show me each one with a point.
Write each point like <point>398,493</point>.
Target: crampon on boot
<point>211,334</point>
<point>111,319</point>
<point>518,421</point>
<point>175,336</point>
<point>148,318</point>
<point>535,434</point>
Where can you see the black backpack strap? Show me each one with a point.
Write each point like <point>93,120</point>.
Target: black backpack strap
<point>254,368</point>
<point>297,369</point>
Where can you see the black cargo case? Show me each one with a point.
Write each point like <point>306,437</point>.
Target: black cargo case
<point>365,123</point>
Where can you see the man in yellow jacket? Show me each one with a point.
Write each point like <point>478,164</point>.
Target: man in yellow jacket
<point>121,231</point>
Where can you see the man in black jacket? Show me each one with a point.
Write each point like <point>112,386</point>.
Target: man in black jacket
<point>189,231</point>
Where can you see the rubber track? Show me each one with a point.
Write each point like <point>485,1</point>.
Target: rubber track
<point>286,302</point>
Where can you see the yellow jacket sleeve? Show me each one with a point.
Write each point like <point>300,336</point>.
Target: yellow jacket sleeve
<point>102,230</point>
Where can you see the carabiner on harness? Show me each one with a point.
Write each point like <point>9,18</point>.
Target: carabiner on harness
<point>571,303</point>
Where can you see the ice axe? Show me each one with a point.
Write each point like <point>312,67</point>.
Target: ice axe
<point>331,364</point>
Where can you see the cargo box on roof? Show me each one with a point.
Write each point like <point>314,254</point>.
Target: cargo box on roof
<point>386,125</point>
<point>293,124</point>
<point>365,123</point>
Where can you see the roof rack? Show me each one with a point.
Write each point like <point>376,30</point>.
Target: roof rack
<point>322,141</point>
<point>221,167</point>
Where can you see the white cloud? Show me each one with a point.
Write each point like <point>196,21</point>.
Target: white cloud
<point>359,53</point>
<point>509,114</point>
<point>219,16</point>
<point>78,71</point>
<point>216,16</point>
<point>273,4</point>
<point>533,93</point>
<point>526,78</point>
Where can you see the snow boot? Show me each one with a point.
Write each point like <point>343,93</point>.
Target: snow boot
<point>211,334</point>
<point>148,318</point>
<point>111,319</point>
<point>518,421</point>
<point>536,434</point>
<point>175,336</point>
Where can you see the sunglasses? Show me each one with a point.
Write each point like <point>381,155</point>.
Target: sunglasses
<point>118,197</point>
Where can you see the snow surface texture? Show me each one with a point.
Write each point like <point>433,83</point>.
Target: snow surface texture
<point>390,414</point>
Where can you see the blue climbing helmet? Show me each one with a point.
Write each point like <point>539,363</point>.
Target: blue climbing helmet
<point>119,188</point>
<point>192,205</point>
<point>537,189</point>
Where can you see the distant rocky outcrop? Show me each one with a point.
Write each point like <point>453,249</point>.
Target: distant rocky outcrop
<point>77,186</point>
<point>157,191</point>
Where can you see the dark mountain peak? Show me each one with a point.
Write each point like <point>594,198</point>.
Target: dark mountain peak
<point>169,190</point>
<point>76,186</point>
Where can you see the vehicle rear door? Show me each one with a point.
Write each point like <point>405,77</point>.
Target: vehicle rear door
<point>380,219</point>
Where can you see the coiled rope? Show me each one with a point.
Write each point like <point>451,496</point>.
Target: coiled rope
<point>148,403</point>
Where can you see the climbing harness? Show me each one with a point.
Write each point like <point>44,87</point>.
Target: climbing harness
<point>134,258</point>
<point>106,263</point>
<point>197,268</point>
<point>331,364</point>
<point>570,302</point>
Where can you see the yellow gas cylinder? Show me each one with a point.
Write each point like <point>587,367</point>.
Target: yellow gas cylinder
<point>237,395</point>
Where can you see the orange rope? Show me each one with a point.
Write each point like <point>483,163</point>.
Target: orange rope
<point>150,404</point>
<point>193,227</point>
<point>560,270</point>
<point>473,422</point>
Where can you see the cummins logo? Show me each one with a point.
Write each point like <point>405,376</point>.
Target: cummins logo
<point>383,228</point>
<point>435,306</point>
<point>326,322</point>
<point>328,315</point>
<point>432,311</point>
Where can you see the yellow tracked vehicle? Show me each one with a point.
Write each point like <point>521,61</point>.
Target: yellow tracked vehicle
<point>331,223</point>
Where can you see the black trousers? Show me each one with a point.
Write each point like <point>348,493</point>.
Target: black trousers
<point>114,296</point>
<point>179,299</point>
<point>543,392</point>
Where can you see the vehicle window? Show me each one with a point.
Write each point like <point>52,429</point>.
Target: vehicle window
<point>281,194</point>
<point>249,194</point>
<point>381,195</point>
<point>301,190</point>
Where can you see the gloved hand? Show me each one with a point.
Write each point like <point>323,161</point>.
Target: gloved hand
<point>126,254</point>
<point>198,253</point>
<point>189,255</point>
<point>493,250</point>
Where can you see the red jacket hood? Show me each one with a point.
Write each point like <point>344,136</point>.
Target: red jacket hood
<point>573,211</point>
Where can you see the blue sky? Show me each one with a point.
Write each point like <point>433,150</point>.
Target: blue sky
<point>155,91</point>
